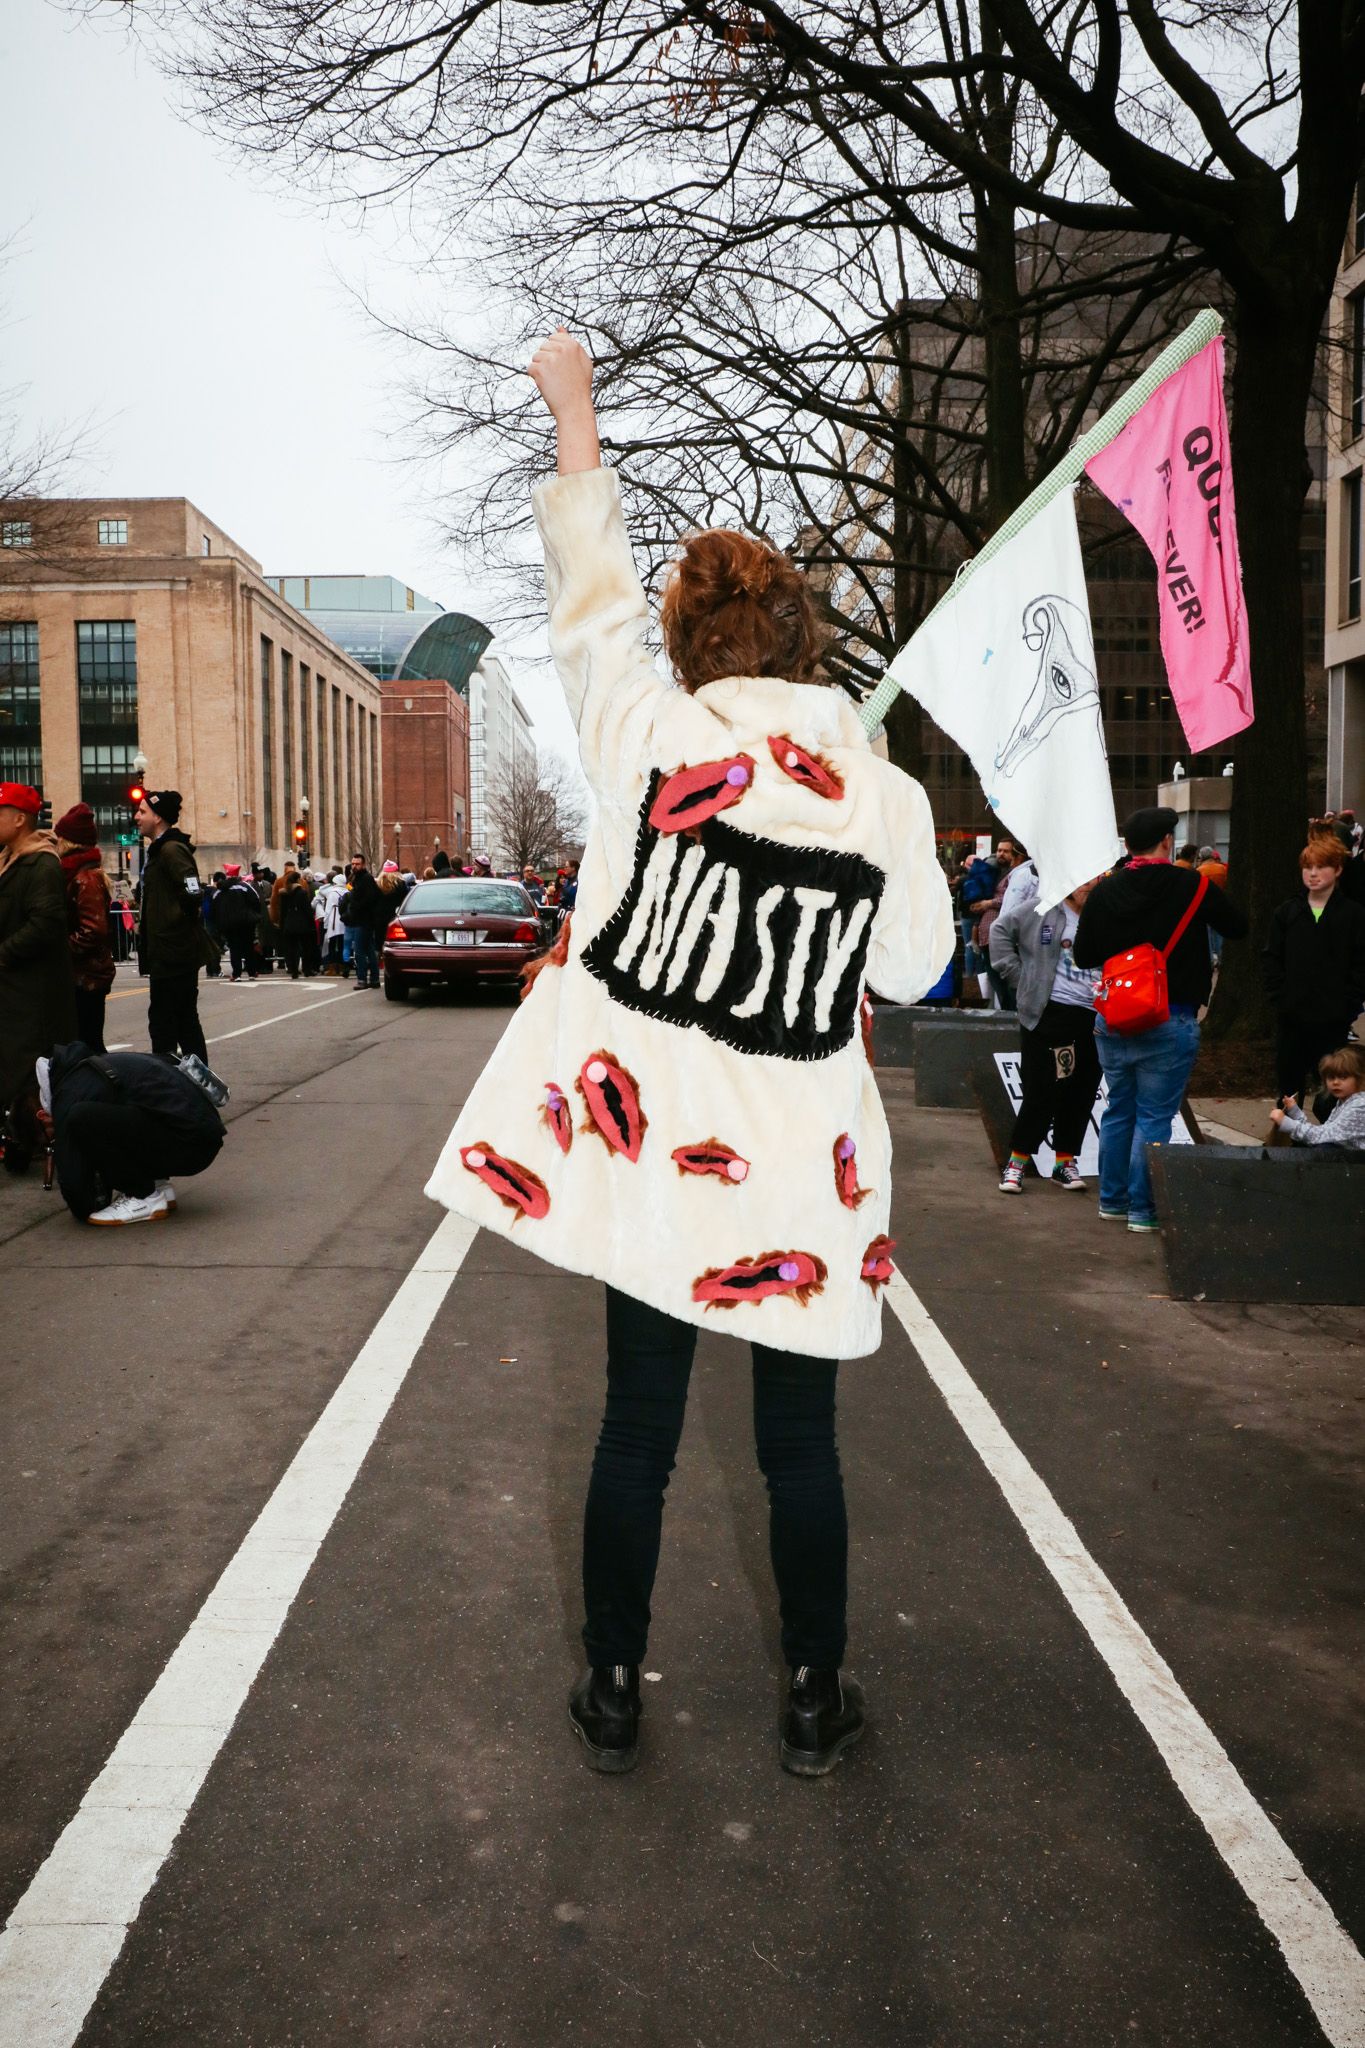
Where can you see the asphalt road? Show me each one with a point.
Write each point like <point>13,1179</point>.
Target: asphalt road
<point>396,1840</point>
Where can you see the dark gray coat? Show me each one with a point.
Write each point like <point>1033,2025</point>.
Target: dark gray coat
<point>37,987</point>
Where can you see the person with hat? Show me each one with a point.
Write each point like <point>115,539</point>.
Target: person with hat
<point>237,912</point>
<point>87,921</point>
<point>37,990</point>
<point>173,942</point>
<point>1142,903</point>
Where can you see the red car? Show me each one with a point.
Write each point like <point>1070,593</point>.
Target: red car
<point>460,934</point>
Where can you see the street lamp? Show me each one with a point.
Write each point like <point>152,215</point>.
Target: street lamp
<point>398,844</point>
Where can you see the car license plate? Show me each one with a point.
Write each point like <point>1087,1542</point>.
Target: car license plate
<point>459,938</point>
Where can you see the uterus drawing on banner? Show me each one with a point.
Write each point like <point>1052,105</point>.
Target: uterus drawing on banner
<point>1066,686</point>
<point>1007,670</point>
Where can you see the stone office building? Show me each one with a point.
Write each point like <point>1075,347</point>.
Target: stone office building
<point>135,628</point>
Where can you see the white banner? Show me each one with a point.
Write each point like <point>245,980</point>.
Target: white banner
<point>1007,669</point>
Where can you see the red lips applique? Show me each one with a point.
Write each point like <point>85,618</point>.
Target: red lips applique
<point>798,1275</point>
<point>511,1182</point>
<point>692,795</point>
<point>810,770</point>
<point>846,1173</point>
<point>710,1156</point>
<point>613,1099</point>
<point>555,1113</point>
<point>877,1267</point>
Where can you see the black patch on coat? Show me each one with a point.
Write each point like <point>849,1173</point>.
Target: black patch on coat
<point>675,873</point>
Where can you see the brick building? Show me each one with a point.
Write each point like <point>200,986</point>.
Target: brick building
<point>406,639</point>
<point>135,628</point>
<point>426,770</point>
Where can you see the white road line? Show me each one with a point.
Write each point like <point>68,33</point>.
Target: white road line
<point>63,1937</point>
<point>1328,1965</point>
<point>304,1010</point>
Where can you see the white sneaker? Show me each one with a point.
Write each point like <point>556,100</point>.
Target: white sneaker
<point>166,1192</point>
<point>133,1209</point>
<point>1012,1179</point>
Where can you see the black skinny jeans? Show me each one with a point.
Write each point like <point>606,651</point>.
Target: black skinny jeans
<point>1059,1068</point>
<point>173,1014</point>
<point>649,1362</point>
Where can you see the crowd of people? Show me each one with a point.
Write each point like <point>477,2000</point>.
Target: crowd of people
<point>1049,964</point>
<point>333,922</point>
<point>136,1119</point>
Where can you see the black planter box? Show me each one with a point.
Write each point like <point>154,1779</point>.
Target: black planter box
<point>1241,1223</point>
<point>942,1046</point>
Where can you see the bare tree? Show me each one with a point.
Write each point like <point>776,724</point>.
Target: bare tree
<point>1234,129</point>
<point>364,831</point>
<point>536,811</point>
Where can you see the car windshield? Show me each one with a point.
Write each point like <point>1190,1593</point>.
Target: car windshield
<point>495,899</point>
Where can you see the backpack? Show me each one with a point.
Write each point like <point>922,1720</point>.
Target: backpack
<point>1132,995</point>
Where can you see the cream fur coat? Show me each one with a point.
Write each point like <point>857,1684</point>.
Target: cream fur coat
<point>685,1108</point>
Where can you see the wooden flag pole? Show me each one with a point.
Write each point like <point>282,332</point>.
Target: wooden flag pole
<point>1200,332</point>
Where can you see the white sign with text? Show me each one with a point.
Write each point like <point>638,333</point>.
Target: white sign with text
<point>1008,1067</point>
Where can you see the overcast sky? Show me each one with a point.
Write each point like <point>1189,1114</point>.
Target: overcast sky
<point>199,314</point>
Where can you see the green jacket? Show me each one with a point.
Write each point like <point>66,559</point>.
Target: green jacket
<point>37,989</point>
<point>172,937</point>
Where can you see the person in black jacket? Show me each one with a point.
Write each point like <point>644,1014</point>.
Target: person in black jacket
<point>237,912</point>
<point>295,908</point>
<point>121,1125</point>
<point>1314,964</point>
<point>365,912</point>
<point>172,940</point>
<point>1141,903</point>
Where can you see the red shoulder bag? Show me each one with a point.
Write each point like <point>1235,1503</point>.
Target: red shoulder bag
<point>1132,995</point>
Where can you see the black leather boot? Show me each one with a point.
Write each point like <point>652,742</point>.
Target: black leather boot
<point>824,1717</point>
<point>604,1712</point>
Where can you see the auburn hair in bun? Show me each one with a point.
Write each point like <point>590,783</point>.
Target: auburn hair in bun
<point>733,606</point>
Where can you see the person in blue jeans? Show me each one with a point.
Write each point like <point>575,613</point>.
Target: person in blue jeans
<point>1146,1072</point>
<point>1146,1077</point>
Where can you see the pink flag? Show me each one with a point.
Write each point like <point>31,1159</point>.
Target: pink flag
<point>1170,473</point>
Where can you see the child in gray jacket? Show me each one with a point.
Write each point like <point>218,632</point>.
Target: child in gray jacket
<point>1343,1076</point>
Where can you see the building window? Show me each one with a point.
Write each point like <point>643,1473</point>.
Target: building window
<point>113,533</point>
<point>1356,365</point>
<point>1360,216</point>
<point>106,693</point>
<point>306,734</point>
<point>208,549</point>
<point>372,720</point>
<point>340,823</point>
<point>267,743</point>
<point>320,779</point>
<point>350,768</point>
<point>21,747</point>
<point>287,735</point>
<point>1353,536</point>
<point>16,533</point>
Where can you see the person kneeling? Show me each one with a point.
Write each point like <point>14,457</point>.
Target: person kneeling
<point>122,1124</point>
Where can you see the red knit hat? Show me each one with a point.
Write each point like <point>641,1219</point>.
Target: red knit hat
<point>20,797</point>
<point>77,826</point>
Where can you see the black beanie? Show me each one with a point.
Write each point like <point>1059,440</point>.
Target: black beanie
<point>166,803</point>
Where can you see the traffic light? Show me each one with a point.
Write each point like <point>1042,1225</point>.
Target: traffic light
<point>135,795</point>
<point>300,839</point>
<point>45,815</point>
